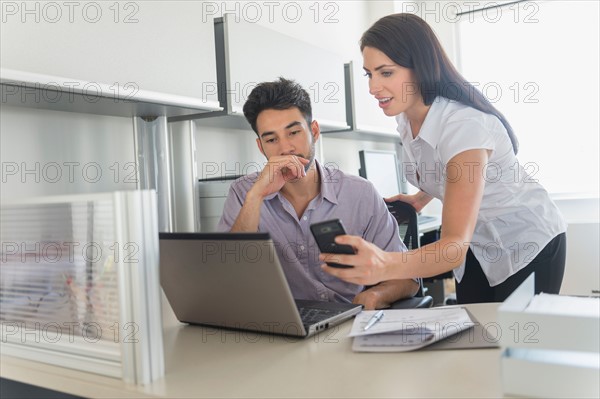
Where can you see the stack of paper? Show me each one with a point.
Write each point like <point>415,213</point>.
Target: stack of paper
<point>402,330</point>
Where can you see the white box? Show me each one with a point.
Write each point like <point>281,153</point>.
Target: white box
<point>550,374</point>
<point>527,329</point>
<point>552,352</point>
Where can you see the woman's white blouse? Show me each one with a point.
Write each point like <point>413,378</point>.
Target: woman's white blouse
<point>516,219</point>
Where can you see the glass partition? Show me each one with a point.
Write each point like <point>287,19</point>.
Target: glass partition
<point>79,283</point>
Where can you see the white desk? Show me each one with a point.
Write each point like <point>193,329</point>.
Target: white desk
<point>206,362</point>
<point>431,225</point>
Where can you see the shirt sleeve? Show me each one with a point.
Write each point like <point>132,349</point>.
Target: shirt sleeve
<point>231,210</point>
<point>463,135</point>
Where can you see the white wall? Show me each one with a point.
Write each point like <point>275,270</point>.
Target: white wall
<point>582,272</point>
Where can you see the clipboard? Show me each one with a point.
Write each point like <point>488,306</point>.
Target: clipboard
<point>412,329</point>
<point>475,337</point>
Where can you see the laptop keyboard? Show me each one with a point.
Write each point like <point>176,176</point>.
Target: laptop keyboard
<point>311,315</point>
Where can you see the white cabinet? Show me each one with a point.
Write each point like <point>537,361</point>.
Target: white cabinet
<point>252,54</point>
<point>367,120</point>
<point>368,117</point>
<point>135,52</point>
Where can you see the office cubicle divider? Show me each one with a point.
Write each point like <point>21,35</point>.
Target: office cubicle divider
<point>79,283</point>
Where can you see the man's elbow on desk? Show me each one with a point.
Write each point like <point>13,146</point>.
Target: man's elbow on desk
<point>382,295</point>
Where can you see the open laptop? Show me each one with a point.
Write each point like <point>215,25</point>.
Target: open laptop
<point>235,280</point>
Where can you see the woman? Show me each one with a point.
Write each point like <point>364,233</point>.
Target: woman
<point>499,224</point>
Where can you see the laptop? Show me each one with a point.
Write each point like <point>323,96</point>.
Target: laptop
<point>235,280</point>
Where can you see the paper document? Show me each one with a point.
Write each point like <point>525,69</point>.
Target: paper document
<point>402,330</point>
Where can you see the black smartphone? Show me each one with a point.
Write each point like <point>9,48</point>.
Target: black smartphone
<point>325,233</point>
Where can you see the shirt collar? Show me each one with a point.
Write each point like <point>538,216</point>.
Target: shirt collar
<point>403,128</point>
<point>328,176</point>
<point>432,126</point>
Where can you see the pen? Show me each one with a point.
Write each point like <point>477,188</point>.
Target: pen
<point>376,317</point>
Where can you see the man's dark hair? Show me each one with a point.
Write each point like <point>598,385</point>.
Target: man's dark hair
<point>280,94</point>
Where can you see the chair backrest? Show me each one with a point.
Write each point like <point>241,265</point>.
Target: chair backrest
<point>406,216</point>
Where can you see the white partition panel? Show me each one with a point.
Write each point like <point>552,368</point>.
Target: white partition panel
<point>79,283</point>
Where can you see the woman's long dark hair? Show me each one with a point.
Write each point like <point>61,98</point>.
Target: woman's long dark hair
<point>410,42</point>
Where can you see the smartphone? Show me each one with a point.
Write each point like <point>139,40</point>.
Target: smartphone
<point>325,233</point>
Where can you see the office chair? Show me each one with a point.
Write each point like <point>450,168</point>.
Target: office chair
<point>434,285</point>
<point>406,216</point>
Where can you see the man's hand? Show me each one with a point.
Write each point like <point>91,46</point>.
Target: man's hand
<point>371,299</point>
<point>382,295</point>
<point>278,171</point>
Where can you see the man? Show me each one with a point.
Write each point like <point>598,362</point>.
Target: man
<point>294,191</point>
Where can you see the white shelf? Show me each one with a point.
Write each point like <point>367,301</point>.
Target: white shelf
<point>237,121</point>
<point>356,134</point>
<point>32,90</point>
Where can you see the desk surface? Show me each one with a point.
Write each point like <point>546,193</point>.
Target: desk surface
<point>208,362</point>
<point>430,225</point>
